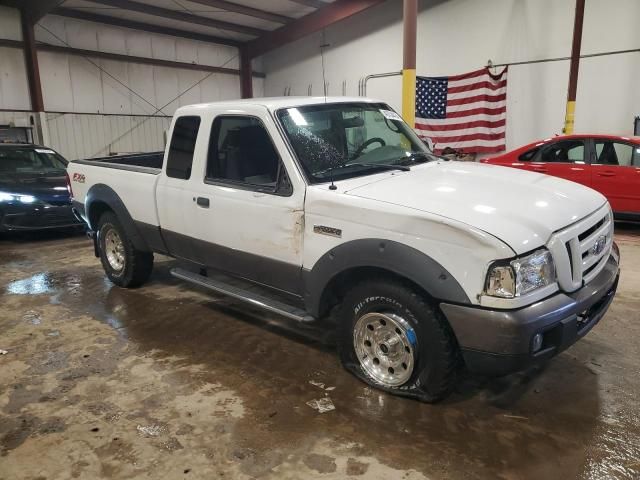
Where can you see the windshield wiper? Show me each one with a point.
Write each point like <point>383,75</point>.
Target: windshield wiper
<point>381,166</point>
<point>414,156</point>
<point>384,166</point>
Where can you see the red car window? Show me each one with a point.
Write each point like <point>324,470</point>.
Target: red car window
<point>616,153</point>
<point>565,151</point>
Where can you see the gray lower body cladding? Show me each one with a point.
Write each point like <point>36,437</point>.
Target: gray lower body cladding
<point>498,342</point>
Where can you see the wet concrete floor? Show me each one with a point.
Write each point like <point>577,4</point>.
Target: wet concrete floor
<point>168,381</point>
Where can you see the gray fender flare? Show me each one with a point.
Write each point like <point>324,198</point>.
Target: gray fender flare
<point>392,256</point>
<point>100,193</point>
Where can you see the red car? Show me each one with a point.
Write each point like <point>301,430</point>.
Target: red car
<point>606,163</point>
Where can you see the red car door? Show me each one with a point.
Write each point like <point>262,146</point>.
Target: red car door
<point>616,174</point>
<point>565,159</point>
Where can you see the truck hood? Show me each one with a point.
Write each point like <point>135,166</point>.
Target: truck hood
<point>518,207</point>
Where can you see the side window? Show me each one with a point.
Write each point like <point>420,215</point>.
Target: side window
<point>616,153</point>
<point>183,143</point>
<point>241,151</point>
<point>528,155</point>
<point>567,151</point>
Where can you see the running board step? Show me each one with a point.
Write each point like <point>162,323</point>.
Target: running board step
<point>259,300</point>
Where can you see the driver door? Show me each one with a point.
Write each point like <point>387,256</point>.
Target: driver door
<point>247,204</point>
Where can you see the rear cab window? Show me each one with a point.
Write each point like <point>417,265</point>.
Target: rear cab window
<point>183,144</point>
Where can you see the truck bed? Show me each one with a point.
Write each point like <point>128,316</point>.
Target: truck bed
<point>132,178</point>
<point>139,162</point>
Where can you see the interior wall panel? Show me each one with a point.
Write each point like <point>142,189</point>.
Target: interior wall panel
<point>86,86</point>
<point>457,36</point>
<point>87,136</point>
<point>141,80</point>
<point>10,23</point>
<point>55,77</point>
<point>189,82</point>
<point>14,90</point>
<point>104,117</point>
<point>116,88</point>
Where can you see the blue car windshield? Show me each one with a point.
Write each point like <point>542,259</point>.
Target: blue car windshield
<point>30,160</point>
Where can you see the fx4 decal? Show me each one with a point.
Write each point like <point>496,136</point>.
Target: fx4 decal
<point>78,177</point>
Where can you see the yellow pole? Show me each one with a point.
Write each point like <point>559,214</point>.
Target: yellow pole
<point>410,28</point>
<point>570,117</point>
<point>409,96</point>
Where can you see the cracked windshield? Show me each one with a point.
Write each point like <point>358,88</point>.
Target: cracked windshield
<point>339,141</point>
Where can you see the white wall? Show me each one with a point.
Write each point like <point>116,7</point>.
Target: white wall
<point>14,91</point>
<point>71,80</point>
<point>75,86</point>
<point>456,36</point>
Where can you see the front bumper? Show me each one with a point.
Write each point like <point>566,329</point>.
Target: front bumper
<point>498,342</point>
<point>30,218</point>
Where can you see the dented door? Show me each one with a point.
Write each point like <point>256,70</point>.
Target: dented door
<point>248,213</point>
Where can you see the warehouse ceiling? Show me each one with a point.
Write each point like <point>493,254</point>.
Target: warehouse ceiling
<point>239,20</point>
<point>258,25</point>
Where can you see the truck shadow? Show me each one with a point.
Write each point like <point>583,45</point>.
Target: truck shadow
<point>321,336</point>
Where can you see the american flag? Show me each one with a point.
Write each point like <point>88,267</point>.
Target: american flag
<point>466,112</point>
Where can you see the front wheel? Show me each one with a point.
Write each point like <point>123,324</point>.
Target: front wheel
<point>125,265</point>
<point>394,339</point>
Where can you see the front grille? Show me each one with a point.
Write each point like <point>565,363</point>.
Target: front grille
<point>591,230</point>
<point>581,250</point>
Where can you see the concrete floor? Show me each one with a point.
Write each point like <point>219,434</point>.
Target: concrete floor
<point>170,382</point>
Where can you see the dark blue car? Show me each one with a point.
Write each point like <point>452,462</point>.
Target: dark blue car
<point>34,192</point>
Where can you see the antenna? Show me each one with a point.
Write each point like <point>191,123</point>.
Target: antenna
<point>332,186</point>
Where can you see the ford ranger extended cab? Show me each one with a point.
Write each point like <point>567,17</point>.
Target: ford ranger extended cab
<point>310,206</point>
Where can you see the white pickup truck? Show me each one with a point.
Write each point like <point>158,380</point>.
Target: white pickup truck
<point>306,206</point>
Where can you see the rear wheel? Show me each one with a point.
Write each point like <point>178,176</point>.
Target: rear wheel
<point>394,339</point>
<point>125,265</point>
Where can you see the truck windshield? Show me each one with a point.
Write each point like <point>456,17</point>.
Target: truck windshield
<point>30,160</point>
<point>337,141</point>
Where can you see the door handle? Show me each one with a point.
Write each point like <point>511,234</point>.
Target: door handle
<point>202,202</point>
<point>540,169</point>
<point>606,174</point>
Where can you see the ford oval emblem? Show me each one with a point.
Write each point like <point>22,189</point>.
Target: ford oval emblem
<point>598,247</point>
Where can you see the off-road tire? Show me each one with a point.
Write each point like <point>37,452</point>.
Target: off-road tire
<point>138,264</point>
<point>436,354</point>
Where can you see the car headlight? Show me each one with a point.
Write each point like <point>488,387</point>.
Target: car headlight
<point>16,197</point>
<point>521,276</point>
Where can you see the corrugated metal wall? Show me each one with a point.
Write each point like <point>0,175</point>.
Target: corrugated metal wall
<point>103,115</point>
<point>77,136</point>
<point>86,136</point>
<point>72,83</point>
<point>19,119</point>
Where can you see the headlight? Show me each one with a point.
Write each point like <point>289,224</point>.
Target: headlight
<point>16,197</point>
<point>521,276</point>
<point>26,198</point>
